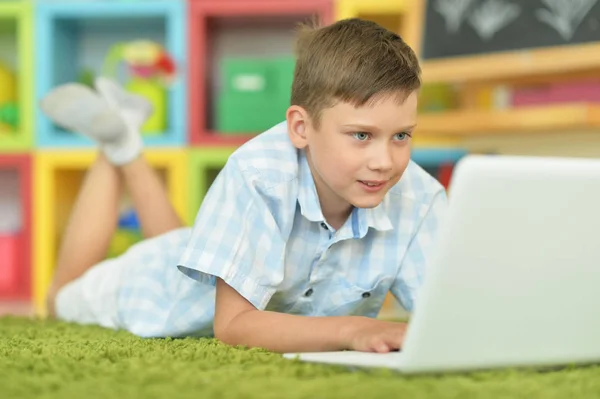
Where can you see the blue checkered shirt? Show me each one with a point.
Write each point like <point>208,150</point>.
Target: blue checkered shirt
<point>260,229</point>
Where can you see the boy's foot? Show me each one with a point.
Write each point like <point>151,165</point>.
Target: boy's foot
<point>137,108</point>
<point>134,109</point>
<point>77,108</point>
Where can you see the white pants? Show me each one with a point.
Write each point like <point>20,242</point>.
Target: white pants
<point>93,297</point>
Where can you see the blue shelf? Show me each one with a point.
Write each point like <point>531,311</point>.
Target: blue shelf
<point>433,157</point>
<point>70,36</point>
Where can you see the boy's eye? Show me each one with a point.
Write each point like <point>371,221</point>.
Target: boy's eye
<point>362,136</point>
<point>402,136</point>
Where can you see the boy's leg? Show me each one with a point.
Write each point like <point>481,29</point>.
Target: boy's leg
<point>149,196</point>
<point>150,199</point>
<point>90,228</point>
<point>94,219</point>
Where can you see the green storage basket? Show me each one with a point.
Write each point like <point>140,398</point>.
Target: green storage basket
<point>255,94</point>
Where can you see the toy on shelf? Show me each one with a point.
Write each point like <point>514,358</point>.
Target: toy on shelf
<point>254,95</point>
<point>556,93</point>
<point>127,234</point>
<point>437,98</point>
<point>9,115</point>
<point>151,70</point>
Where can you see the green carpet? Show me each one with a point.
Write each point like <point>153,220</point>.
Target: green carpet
<point>43,359</point>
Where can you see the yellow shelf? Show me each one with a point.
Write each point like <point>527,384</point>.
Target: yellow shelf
<point>350,8</point>
<point>57,179</point>
<point>516,66</point>
<point>401,16</point>
<point>541,119</point>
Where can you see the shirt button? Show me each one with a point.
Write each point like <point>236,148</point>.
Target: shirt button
<point>366,294</point>
<point>309,292</point>
<point>323,225</point>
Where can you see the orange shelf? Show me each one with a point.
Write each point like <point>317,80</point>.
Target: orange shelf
<point>542,119</point>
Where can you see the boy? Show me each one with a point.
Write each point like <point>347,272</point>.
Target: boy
<point>303,233</point>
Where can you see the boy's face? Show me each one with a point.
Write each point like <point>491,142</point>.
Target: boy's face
<point>358,154</point>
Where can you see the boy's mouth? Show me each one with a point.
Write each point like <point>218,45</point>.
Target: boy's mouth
<point>372,184</point>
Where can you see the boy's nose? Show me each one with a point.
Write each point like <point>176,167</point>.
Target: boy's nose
<point>382,161</point>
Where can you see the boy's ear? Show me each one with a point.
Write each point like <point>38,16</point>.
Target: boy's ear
<point>297,122</point>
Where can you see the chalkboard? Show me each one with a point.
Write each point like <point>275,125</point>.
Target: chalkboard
<point>470,27</point>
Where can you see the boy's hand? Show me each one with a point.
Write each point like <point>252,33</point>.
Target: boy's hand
<point>372,335</point>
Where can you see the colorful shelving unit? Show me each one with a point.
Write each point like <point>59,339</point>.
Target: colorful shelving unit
<point>74,36</point>
<point>16,76</point>
<point>51,42</point>
<point>15,227</point>
<point>58,177</point>
<point>221,28</point>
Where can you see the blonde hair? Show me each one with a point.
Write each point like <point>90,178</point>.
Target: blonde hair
<point>354,61</point>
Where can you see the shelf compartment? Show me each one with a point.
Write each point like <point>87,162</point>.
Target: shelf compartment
<point>58,178</point>
<point>15,227</point>
<point>236,28</point>
<point>16,73</point>
<point>85,32</point>
<point>400,16</point>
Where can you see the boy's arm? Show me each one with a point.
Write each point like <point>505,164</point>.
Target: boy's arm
<point>237,244</point>
<point>238,322</point>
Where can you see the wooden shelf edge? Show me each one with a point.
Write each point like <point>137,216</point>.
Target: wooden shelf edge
<point>542,119</point>
<point>515,65</point>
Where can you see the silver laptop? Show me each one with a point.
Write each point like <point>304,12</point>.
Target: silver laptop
<point>515,278</point>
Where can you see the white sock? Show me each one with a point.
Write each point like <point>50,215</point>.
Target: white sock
<point>120,99</point>
<point>135,111</point>
<point>77,108</point>
<point>128,146</point>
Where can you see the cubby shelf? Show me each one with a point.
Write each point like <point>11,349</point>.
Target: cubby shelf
<point>16,53</point>
<point>400,16</point>
<point>82,33</point>
<point>208,19</point>
<point>58,177</point>
<point>52,42</point>
<point>15,198</point>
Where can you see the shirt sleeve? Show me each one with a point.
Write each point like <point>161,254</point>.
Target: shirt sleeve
<point>236,238</point>
<point>419,252</point>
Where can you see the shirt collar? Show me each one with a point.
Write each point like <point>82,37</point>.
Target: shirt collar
<point>310,207</point>
<point>308,199</point>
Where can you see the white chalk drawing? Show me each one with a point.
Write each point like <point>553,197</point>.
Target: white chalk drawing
<point>454,12</point>
<point>492,16</point>
<point>565,16</point>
